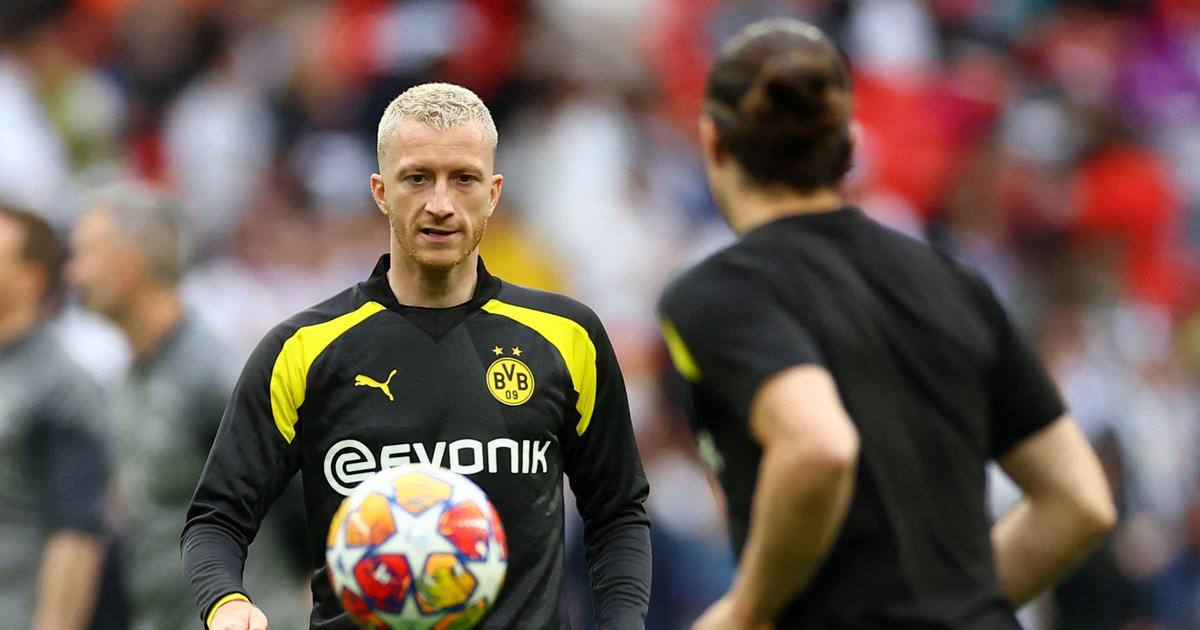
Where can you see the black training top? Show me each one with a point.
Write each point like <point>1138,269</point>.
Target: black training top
<point>513,389</point>
<point>930,370</point>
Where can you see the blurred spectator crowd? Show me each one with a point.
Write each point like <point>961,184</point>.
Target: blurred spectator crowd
<point>1053,146</point>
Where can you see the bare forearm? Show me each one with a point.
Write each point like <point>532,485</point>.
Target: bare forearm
<point>796,517</point>
<point>1037,544</point>
<point>68,581</point>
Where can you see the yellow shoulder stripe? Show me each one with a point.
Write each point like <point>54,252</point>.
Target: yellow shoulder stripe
<point>572,342</point>
<point>289,377</point>
<point>680,355</point>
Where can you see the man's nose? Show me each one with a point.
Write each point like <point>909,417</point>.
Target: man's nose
<point>439,204</point>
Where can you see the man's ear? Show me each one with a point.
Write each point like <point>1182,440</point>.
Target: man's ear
<point>378,192</point>
<point>711,145</point>
<point>497,185</point>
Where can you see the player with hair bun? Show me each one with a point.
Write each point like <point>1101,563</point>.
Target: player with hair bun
<point>850,384</point>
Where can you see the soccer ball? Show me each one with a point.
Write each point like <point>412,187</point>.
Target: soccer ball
<point>416,548</point>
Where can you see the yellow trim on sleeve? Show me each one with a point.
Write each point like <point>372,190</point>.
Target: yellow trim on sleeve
<point>232,597</point>
<point>289,377</point>
<point>572,342</point>
<point>680,355</point>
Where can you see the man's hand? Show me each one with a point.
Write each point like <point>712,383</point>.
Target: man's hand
<point>238,615</point>
<point>724,614</point>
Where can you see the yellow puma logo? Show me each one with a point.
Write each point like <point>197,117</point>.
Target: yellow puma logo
<point>361,380</point>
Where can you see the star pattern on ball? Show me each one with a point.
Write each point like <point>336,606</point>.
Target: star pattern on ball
<point>418,551</point>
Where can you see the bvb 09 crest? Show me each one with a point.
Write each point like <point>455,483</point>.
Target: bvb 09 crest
<point>510,381</point>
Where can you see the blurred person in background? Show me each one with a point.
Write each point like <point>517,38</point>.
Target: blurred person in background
<point>127,257</point>
<point>53,464</point>
<point>421,331</point>
<point>851,384</point>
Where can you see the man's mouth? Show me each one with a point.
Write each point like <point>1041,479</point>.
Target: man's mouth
<point>437,233</point>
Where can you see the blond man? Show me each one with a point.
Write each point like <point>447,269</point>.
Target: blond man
<point>426,331</point>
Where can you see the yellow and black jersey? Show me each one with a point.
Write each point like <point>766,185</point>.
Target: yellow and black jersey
<point>513,389</point>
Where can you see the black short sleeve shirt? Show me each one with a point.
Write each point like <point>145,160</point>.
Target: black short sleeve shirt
<point>932,373</point>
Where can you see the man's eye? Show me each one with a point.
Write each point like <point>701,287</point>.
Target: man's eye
<point>467,179</point>
<point>416,178</point>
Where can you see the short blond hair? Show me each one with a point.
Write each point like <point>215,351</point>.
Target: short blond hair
<point>441,106</point>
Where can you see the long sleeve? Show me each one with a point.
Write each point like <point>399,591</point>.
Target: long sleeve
<point>605,472</point>
<point>254,455</point>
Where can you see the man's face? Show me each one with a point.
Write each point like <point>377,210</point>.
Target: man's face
<point>437,190</point>
<point>99,262</point>
<point>16,274</point>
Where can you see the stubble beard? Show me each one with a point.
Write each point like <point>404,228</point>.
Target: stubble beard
<point>409,247</point>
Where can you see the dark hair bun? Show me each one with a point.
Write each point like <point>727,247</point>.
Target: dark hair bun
<point>795,95</point>
<point>780,96</point>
